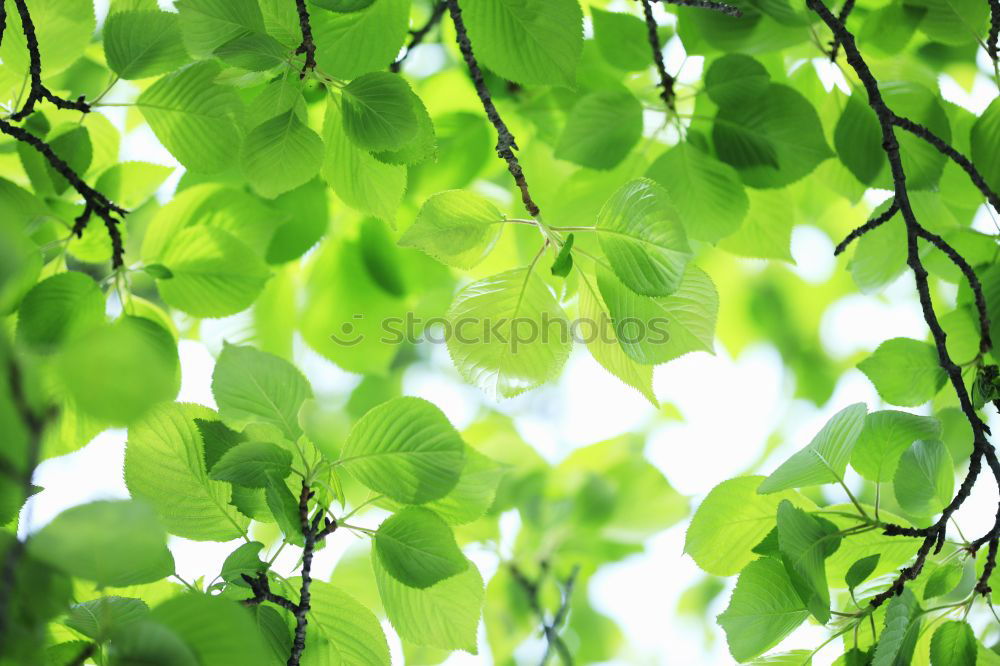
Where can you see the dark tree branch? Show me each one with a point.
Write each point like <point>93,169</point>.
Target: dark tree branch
<point>95,203</point>
<point>933,536</point>
<point>308,46</point>
<point>845,11</point>
<point>35,423</point>
<point>550,628</point>
<point>870,225</point>
<point>666,80</point>
<point>314,530</point>
<point>38,92</point>
<point>723,7</point>
<point>506,144</point>
<point>261,588</point>
<point>958,158</point>
<point>417,36</point>
<point>994,35</point>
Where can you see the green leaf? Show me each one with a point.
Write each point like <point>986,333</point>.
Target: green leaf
<point>118,371</point>
<point>220,632</point>
<point>345,632</point>
<point>925,479</point>
<point>861,570</point>
<point>735,77</point>
<point>405,449</point>
<point>563,263</point>
<point>208,24</point>
<point>245,560</point>
<point>763,610</point>
<point>601,130</point>
<point>953,22</point>
<point>527,41</point>
<point>902,622</point>
<point>773,139</point>
<point>158,271</point>
<point>824,460</point>
<point>378,113</point>
<point>361,181</point>
<point>253,386</point>
<point>253,51</point>
<point>138,44</point>
<point>272,626</point>
<point>192,116</point>
<point>985,142</point>
<point>858,139</point>
<point>281,154</point>
<point>217,438</point>
<point>456,227</point>
<point>497,342</point>
<point>944,579</point>
<point>708,194</point>
<point>731,520</point>
<point>417,548</point>
<point>954,644</point>
<point>57,309</point>
<point>111,542</point>
<point>607,349</point>
<point>250,464</point>
<point>151,643</point>
<point>657,330</point>
<point>905,372</point>
<point>98,618</point>
<point>643,238</point>
<point>63,29</point>
<point>884,437</point>
<point>164,464</point>
<point>285,509</point>
<point>622,39</point>
<point>445,615</point>
<point>366,40</point>
<point>214,273</point>
<point>805,542</point>
<point>474,493</point>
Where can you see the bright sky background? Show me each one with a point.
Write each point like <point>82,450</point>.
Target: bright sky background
<point>730,407</point>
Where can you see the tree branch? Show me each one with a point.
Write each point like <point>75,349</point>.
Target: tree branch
<point>38,92</point>
<point>666,80</point>
<point>933,536</point>
<point>314,530</point>
<point>95,203</point>
<point>994,35</point>
<point>506,144</point>
<point>308,47</point>
<point>723,7</point>
<point>417,36</point>
<point>845,11</point>
<point>550,629</point>
<point>870,225</point>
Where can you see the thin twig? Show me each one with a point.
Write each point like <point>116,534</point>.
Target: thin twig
<point>38,92</point>
<point>307,46</point>
<point>845,11</point>
<point>666,80</point>
<point>723,7</point>
<point>934,535</point>
<point>417,36</point>
<point>870,225</point>
<point>95,203</point>
<point>314,530</point>
<point>550,628</point>
<point>506,144</point>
